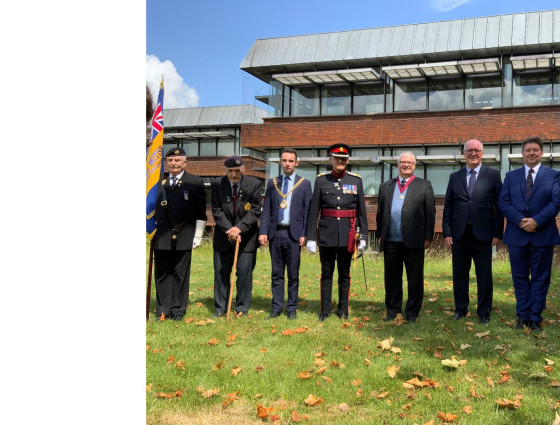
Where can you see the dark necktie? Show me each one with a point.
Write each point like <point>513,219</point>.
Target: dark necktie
<point>472,181</point>
<point>403,182</point>
<point>234,199</point>
<point>529,184</point>
<point>284,191</point>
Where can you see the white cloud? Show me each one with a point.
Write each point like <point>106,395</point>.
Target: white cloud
<point>446,5</point>
<point>178,94</point>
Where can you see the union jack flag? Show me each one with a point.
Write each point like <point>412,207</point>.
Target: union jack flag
<point>154,166</point>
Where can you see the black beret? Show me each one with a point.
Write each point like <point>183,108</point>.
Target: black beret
<point>233,161</point>
<point>176,152</point>
<point>339,149</point>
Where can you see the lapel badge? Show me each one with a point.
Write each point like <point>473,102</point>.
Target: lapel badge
<point>247,206</point>
<point>186,195</point>
<point>163,181</point>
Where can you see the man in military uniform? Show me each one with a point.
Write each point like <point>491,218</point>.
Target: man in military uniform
<point>181,218</point>
<point>338,198</point>
<point>236,207</point>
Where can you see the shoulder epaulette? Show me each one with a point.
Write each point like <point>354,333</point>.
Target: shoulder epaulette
<point>353,174</point>
<point>323,174</point>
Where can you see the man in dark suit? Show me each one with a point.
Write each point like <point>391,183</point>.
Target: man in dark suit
<point>406,217</point>
<point>181,218</point>
<point>530,200</point>
<point>338,197</point>
<point>284,225</point>
<point>236,207</point>
<point>472,224</point>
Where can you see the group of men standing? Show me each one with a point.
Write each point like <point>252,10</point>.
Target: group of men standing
<point>333,218</point>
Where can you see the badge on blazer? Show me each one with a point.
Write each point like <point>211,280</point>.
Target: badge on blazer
<point>247,206</point>
<point>163,181</point>
<point>186,195</point>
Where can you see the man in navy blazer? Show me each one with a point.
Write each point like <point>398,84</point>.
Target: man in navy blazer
<point>284,225</point>
<point>472,224</point>
<point>530,200</point>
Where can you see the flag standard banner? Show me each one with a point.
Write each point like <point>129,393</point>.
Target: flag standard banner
<point>154,166</point>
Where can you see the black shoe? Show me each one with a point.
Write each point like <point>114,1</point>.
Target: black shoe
<point>390,318</point>
<point>343,316</point>
<point>323,317</point>
<point>484,320</point>
<point>412,319</point>
<point>274,314</point>
<point>535,326</point>
<point>521,324</point>
<point>177,318</point>
<point>292,315</point>
<point>217,314</point>
<point>459,316</point>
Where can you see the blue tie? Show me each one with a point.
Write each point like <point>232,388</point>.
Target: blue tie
<point>284,191</point>
<point>472,181</point>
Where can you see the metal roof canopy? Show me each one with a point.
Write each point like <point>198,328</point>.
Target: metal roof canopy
<point>198,135</point>
<point>324,160</point>
<point>518,157</point>
<point>214,116</point>
<point>323,77</point>
<point>535,61</point>
<point>512,34</point>
<point>439,159</point>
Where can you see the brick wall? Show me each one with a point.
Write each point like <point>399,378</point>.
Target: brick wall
<point>204,166</point>
<point>492,125</point>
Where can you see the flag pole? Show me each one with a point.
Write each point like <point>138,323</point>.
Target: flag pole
<point>149,291</point>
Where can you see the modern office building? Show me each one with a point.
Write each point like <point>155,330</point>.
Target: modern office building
<point>426,88</point>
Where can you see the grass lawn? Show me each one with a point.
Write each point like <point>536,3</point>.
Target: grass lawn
<point>202,371</point>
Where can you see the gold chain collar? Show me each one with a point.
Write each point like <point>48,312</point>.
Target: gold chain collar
<point>284,204</point>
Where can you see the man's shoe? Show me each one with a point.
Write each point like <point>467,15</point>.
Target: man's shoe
<point>521,324</point>
<point>412,319</point>
<point>177,318</point>
<point>343,316</point>
<point>274,315</point>
<point>292,315</point>
<point>390,318</point>
<point>535,326</point>
<point>484,320</point>
<point>217,314</point>
<point>323,317</point>
<point>459,316</point>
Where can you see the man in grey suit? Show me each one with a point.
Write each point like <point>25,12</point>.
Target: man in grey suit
<point>406,217</point>
<point>472,224</point>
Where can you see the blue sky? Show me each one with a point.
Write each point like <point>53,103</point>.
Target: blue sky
<point>198,45</point>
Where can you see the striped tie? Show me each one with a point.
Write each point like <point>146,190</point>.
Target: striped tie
<point>529,184</point>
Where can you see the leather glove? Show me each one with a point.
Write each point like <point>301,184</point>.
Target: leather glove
<point>199,230</point>
<point>312,247</point>
<point>362,245</point>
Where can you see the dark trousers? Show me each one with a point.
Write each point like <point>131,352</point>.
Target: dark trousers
<point>284,254</point>
<point>530,292</point>
<point>172,273</point>
<point>343,259</point>
<point>223,265</point>
<point>465,251</point>
<point>396,254</point>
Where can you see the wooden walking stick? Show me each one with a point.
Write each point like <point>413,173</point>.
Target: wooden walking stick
<point>232,280</point>
<point>149,291</point>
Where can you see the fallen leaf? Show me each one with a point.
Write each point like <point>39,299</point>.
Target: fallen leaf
<point>326,378</point>
<point>489,381</point>
<point>548,369</point>
<point>386,344</point>
<point>337,365</point>
<point>257,395</point>
<point>235,371</point>
<point>301,329</point>
<point>213,341</point>
<point>367,361</point>
<point>467,410</point>
<point>503,379</point>
<point>263,412</point>
<point>304,375</point>
<point>446,417</point>
<point>396,350</point>
<point>287,332</point>
<point>263,350</point>
<point>465,346</point>
<point>482,334</point>
<point>549,362</point>
<point>474,394</point>
<point>295,417</point>
<point>313,400</point>
<point>453,362</point>
<point>229,398</point>
<point>231,338</point>
<point>343,407</point>
<point>170,359</point>
<point>392,370</point>
<point>149,387</point>
<point>508,404</point>
<point>320,370</point>
<point>319,362</point>
<point>259,369</point>
<point>438,354</point>
<point>208,393</point>
<point>556,419</point>
<point>219,365</point>
<point>357,382</point>
<point>180,364</point>
<point>359,392</point>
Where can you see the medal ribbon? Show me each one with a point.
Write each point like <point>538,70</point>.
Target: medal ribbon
<point>402,189</point>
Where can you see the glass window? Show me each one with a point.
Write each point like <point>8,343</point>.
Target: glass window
<point>508,82</point>
<point>336,100</point>
<point>226,147</point>
<point>207,147</point>
<point>305,101</point>
<point>275,99</point>
<point>410,95</point>
<point>190,147</point>
<point>532,88</point>
<point>446,93</point>
<point>368,98</point>
<point>168,145</point>
<point>309,172</point>
<point>556,96</point>
<point>483,91</point>
<point>438,175</point>
<point>272,168</point>
<point>371,177</point>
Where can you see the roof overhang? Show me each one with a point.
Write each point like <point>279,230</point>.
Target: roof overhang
<point>438,69</point>
<point>518,157</point>
<point>439,159</point>
<point>324,160</point>
<point>198,135</point>
<point>328,77</point>
<point>535,62</point>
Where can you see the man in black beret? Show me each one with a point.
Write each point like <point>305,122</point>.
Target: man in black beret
<point>338,198</point>
<point>236,207</point>
<point>181,219</point>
